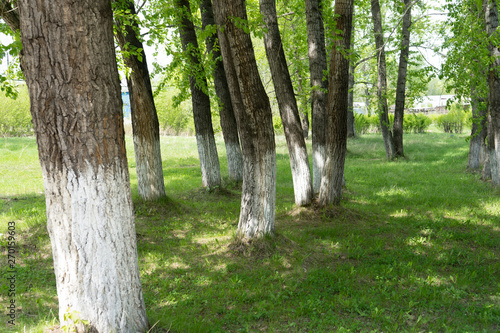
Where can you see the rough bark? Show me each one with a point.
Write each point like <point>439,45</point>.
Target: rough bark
<point>351,128</point>
<point>383,109</point>
<point>399,110</point>
<point>317,66</point>
<point>227,117</point>
<point>9,15</point>
<point>491,16</point>
<point>489,150</point>
<point>207,150</point>
<point>253,114</point>
<point>478,134</point>
<point>336,111</point>
<point>304,115</point>
<point>145,125</point>
<point>287,104</point>
<point>71,73</point>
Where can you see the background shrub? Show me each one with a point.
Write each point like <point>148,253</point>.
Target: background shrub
<point>174,120</point>
<point>15,116</point>
<point>454,120</point>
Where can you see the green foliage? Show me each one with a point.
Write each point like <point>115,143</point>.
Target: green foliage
<point>15,116</point>
<point>455,119</point>
<point>361,123</point>
<point>174,119</point>
<point>416,123</point>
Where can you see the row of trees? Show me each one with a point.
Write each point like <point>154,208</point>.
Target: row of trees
<point>70,66</point>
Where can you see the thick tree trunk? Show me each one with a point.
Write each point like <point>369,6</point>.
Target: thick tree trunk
<point>304,115</point>
<point>207,150</point>
<point>9,15</point>
<point>478,133</point>
<point>351,128</point>
<point>227,117</point>
<point>253,114</point>
<point>494,93</point>
<point>336,112</point>
<point>299,161</point>
<point>401,84</point>
<point>383,110</point>
<point>71,73</point>
<point>489,150</point>
<point>145,126</point>
<point>317,66</point>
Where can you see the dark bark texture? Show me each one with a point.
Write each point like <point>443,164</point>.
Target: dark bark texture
<point>202,115</point>
<point>254,117</point>
<point>491,16</point>
<point>227,117</point>
<point>336,112</point>
<point>76,106</point>
<point>317,66</point>
<point>351,128</point>
<point>477,145</point>
<point>145,125</point>
<point>9,15</point>
<point>401,84</point>
<point>299,161</point>
<point>383,109</point>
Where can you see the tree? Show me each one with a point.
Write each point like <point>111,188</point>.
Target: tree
<point>227,117</point>
<point>491,15</point>
<point>253,114</point>
<point>72,77</point>
<point>145,126</point>
<point>383,109</point>
<point>401,84</point>
<point>317,66</point>
<point>209,159</point>
<point>336,112</point>
<point>299,161</point>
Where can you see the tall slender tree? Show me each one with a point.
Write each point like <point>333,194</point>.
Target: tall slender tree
<point>317,66</point>
<point>207,149</point>
<point>254,117</point>
<point>299,161</point>
<point>383,109</point>
<point>336,111</point>
<point>227,117</point>
<point>491,15</point>
<point>401,84</point>
<point>145,125</point>
<point>72,77</point>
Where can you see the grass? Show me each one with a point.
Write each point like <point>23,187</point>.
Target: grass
<point>414,247</point>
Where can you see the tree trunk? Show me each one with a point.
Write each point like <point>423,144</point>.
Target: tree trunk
<point>304,115</point>
<point>71,73</point>
<point>478,133</point>
<point>299,161</point>
<point>145,126</point>
<point>486,172</point>
<point>494,93</point>
<point>351,128</point>
<point>207,150</point>
<point>336,112</point>
<point>254,117</point>
<point>9,15</point>
<point>227,118</point>
<point>399,110</point>
<point>317,66</point>
<point>383,110</point>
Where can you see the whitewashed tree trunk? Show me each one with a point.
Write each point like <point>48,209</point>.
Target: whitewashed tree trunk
<point>317,65</point>
<point>289,112</point>
<point>253,114</point>
<point>71,73</point>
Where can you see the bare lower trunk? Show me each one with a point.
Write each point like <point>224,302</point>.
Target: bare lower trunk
<point>401,84</point>
<point>209,159</point>
<point>317,66</point>
<point>478,133</point>
<point>145,126</point>
<point>383,109</point>
<point>336,116</point>
<point>253,114</point>
<point>351,128</point>
<point>78,121</point>
<point>227,118</point>
<point>299,161</point>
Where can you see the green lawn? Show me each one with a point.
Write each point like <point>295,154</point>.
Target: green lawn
<point>415,246</point>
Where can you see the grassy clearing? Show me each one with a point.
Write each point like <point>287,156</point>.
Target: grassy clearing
<point>415,246</point>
